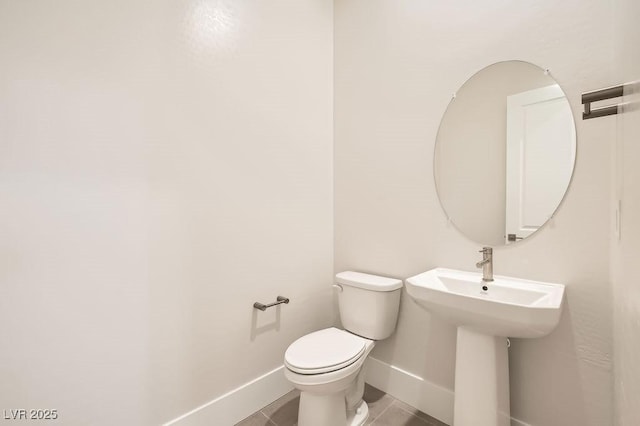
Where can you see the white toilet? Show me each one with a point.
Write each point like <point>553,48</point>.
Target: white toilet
<point>326,365</point>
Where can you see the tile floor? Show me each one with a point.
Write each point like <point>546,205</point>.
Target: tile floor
<point>384,410</point>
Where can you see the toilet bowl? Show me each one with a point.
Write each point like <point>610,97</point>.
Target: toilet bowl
<point>327,365</point>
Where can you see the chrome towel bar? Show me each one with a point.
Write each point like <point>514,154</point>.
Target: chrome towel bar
<point>263,307</point>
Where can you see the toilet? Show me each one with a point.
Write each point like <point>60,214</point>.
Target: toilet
<point>326,365</point>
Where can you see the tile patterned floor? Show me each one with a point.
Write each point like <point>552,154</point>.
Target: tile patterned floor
<point>384,410</point>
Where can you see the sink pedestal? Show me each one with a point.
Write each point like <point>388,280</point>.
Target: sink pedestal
<point>509,307</point>
<point>481,380</point>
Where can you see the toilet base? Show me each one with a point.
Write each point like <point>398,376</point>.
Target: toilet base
<point>359,416</point>
<point>323,410</point>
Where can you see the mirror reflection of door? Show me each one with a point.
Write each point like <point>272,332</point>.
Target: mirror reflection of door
<point>539,159</point>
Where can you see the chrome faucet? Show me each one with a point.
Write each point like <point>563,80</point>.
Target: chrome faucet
<point>486,264</point>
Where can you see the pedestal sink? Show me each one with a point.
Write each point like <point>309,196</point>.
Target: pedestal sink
<point>509,307</point>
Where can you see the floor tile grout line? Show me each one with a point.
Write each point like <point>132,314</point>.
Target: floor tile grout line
<point>373,419</point>
<point>383,411</point>
<point>268,418</point>
<point>413,414</point>
<point>273,422</point>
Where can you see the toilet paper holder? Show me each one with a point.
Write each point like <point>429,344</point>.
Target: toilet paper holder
<point>279,300</point>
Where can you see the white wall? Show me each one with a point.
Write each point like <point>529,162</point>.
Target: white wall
<point>396,65</point>
<point>626,250</point>
<point>163,165</point>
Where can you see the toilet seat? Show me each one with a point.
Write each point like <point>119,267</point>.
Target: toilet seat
<point>324,351</point>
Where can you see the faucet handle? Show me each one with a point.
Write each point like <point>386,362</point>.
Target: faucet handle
<point>486,250</point>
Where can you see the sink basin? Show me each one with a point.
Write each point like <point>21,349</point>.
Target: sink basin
<point>510,307</point>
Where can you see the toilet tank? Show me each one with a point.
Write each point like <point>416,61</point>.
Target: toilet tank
<point>368,304</point>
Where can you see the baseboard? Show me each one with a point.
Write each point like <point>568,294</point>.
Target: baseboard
<point>238,404</point>
<point>435,400</point>
<point>234,406</point>
<point>422,394</point>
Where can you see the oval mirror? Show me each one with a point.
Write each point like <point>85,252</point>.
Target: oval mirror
<point>504,153</point>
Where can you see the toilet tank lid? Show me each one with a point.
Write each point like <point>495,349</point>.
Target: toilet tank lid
<point>368,281</point>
